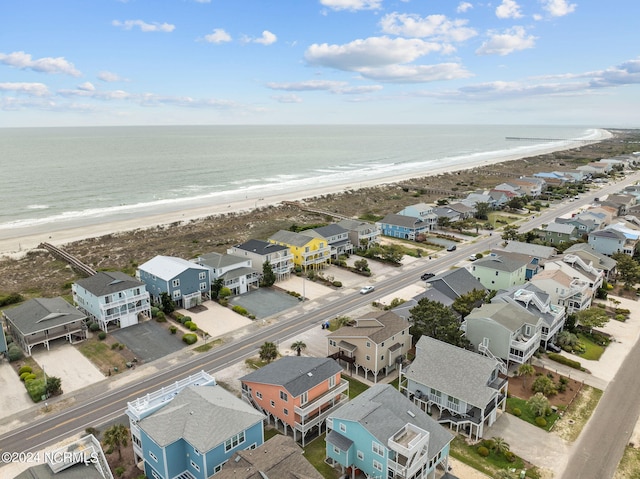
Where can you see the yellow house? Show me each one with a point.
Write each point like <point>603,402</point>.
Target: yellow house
<point>308,252</point>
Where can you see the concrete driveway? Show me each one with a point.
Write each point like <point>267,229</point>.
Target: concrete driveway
<point>216,320</point>
<point>149,340</point>
<point>14,395</point>
<point>70,365</point>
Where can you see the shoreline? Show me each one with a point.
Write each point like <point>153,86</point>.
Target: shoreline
<point>15,243</point>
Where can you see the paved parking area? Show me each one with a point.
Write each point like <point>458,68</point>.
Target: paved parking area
<point>264,302</point>
<point>14,395</point>
<point>215,319</point>
<point>149,340</point>
<point>69,364</point>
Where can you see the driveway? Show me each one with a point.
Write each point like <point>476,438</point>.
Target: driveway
<point>149,340</point>
<point>215,319</point>
<point>264,302</point>
<point>14,395</point>
<point>70,365</point>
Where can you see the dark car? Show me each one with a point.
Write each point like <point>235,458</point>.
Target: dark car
<point>553,348</point>
<point>427,276</point>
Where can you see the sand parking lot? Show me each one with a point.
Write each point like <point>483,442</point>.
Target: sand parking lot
<point>70,365</point>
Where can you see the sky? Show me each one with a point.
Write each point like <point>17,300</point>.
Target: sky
<point>219,62</point>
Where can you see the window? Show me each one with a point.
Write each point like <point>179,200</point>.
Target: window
<point>382,344</point>
<point>332,342</point>
<point>155,475</point>
<point>360,455</point>
<point>284,396</point>
<point>367,357</point>
<point>235,441</point>
<point>304,398</point>
<point>195,466</point>
<point>273,404</point>
<point>332,381</point>
<point>285,411</point>
<point>202,275</point>
<point>218,468</point>
<point>343,427</point>
<point>377,465</point>
<point>377,448</point>
<point>176,293</point>
<point>382,358</point>
<point>175,283</point>
<point>153,456</point>
<point>368,344</point>
<point>203,286</point>
<point>336,450</point>
<point>258,394</point>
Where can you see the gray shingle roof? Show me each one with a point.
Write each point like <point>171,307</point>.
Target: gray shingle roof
<point>508,315</point>
<point>603,260</point>
<point>260,247</point>
<point>218,260</point>
<point>500,263</point>
<point>402,220</point>
<point>42,313</point>
<point>355,225</point>
<point>329,230</point>
<point>535,250</point>
<point>455,283</point>
<point>452,370</point>
<point>296,374</point>
<point>192,414</point>
<point>390,325</point>
<point>383,411</point>
<point>290,237</point>
<point>106,282</point>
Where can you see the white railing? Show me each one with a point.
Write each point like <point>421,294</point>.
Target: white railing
<point>331,394</point>
<point>125,300</point>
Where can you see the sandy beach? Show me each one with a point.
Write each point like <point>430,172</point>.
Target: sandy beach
<point>14,242</point>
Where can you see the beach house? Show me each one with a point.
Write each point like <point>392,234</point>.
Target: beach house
<point>337,237</point>
<point>236,272</point>
<point>297,392</point>
<point>308,252</point>
<point>383,434</point>
<point>190,428</point>
<point>186,283</point>
<point>362,234</point>
<point>112,297</point>
<point>467,388</point>
<point>422,211</point>
<point>500,272</point>
<point>260,252</point>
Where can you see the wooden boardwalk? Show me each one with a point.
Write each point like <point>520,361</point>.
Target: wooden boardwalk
<point>75,263</point>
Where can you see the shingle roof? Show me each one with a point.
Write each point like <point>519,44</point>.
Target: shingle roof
<point>260,247</point>
<point>328,230</point>
<point>452,370</point>
<point>508,315</point>
<point>603,260</point>
<point>402,220</point>
<point>193,412</point>
<point>355,225</point>
<point>534,250</point>
<point>455,283</point>
<point>383,411</point>
<point>500,263</point>
<point>560,228</point>
<point>42,313</point>
<point>390,325</point>
<point>296,374</point>
<point>168,267</point>
<point>107,282</point>
<point>218,260</point>
<point>279,458</point>
<point>290,238</point>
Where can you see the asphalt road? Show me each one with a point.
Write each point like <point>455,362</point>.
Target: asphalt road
<point>96,405</point>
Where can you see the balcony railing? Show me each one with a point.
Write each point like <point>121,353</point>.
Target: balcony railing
<point>313,421</point>
<point>117,314</point>
<point>122,301</point>
<point>321,400</point>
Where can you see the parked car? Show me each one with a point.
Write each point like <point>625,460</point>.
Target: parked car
<point>366,289</point>
<point>473,257</point>
<point>427,276</point>
<point>553,348</point>
<point>451,247</point>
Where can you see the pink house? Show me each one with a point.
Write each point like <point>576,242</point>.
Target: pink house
<point>297,392</point>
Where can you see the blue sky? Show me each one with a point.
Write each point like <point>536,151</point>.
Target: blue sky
<point>156,62</point>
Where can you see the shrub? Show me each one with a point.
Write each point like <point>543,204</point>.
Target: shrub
<point>509,456</point>
<point>240,310</point>
<point>14,353</point>
<point>559,358</point>
<point>173,329</point>
<point>483,451</point>
<point>185,319</point>
<point>24,375</point>
<point>115,345</point>
<point>189,338</point>
<point>36,389</point>
<point>223,302</point>
<point>177,316</point>
<point>12,298</point>
<point>24,369</point>
<point>93,327</point>
<point>154,311</point>
<point>193,326</point>
<point>160,317</point>
<point>102,335</point>
<point>120,346</point>
<point>188,324</point>
<point>337,284</point>
<point>620,317</point>
<point>540,421</point>
<point>517,412</point>
<point>29,377</point>
<point>119,471</point>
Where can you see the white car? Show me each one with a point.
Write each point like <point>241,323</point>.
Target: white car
<point>366,289</point>
<point>473,257</point>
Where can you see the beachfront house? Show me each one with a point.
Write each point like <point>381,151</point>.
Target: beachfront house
<point>447,214</point>
<point>467,388</point>
<point>260,252</point>
<point>422,211</point>
<point>383,434</point>
<point>372,345</point>
<point>538,303</point>
<point>590,255</point>
<point>337,237</point>
<point>279,458</point>
<point>401,226</point>
<point>572,293</point>
<point>499,272</point>
<point>112,297</point>
<point>308,252</point>
<point>362,234</point>
<point>297,392</point>
<point>505,331</point>
<point>186,283</point>
<point>40,321</point>
<point>190,428</point>
<point>236,272</point>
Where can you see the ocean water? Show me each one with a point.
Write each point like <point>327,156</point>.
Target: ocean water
<point>50,176</point>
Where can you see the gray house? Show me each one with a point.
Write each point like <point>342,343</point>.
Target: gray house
<point>236,272</point>
<point>466,387</point>
<point>259,252</point>
<point>609,241</point>
<point>590,255</point>
<point>42,320</point>
<point>362,234</point>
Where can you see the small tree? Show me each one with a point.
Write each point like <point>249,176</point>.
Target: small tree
<point>500,446</point>
<point>53,386</point>
<point>538,404</point>
<point>268,276</point>
<point>592,318</point>
<point>216,287</point>
<point>525,370</point>
<point>544,385</point>
<point>168,306</point>
<point>117,436</point>
<point>298,346</point>
<point>361,265</point>
<point>465,303</point>
<point>268,351</point>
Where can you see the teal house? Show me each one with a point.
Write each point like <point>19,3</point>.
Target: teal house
<point>191,428</point>
<point>383,434</point>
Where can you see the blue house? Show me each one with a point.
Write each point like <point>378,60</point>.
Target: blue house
<point>401,226</point>
<point>191,428</point>
<point>187,283</point>
<point>383,434</point>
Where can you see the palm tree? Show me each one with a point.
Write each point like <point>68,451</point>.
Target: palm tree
<point>268,351</point>
<point>298,346</point>
<point>538,404</point>
<point>117,436</point>
<point>525,370</point>
<point>500,445</point>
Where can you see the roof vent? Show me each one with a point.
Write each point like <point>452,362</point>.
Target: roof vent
<point>309,374</point>
<point>410,413</point>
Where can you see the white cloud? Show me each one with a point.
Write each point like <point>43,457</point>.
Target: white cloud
<point>416,73</point>
<point>287,98</point>
<point>310,85</point>
<point>369,53</point>
<point>463,7</point>
<point>144,26</point>
<point>267,38</point>
<point>558,8</point>
<point>86,86</point>
<point>31,89</point>
<point>511,40</point>
<point>508,9</point>
<point>352,5</point>
<point>438,26</point>
<point>23,61</point>
<point>219,35</point>
<point>110,77</point>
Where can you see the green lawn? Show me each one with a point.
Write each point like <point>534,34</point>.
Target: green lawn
<point>527,415</point>
<point>315,452</point>
<point>355,387</point>
<point>592,351</point>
